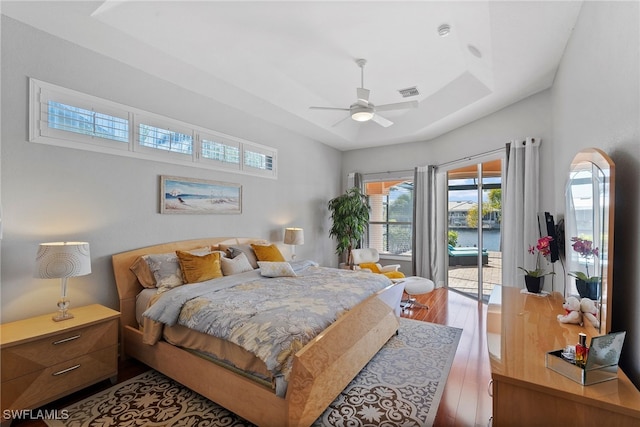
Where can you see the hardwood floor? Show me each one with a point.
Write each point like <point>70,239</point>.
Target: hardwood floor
<point>465,401</point>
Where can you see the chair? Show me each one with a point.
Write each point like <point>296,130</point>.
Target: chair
<point>367,259</point>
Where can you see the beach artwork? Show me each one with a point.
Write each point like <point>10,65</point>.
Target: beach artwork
<point>197,196</point>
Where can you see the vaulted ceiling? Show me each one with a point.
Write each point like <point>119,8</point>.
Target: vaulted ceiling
<point>273,60</point>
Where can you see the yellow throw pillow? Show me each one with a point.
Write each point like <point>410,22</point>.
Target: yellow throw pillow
<point>197,268</point>
<point>370,266</point>
<point>269,253</point>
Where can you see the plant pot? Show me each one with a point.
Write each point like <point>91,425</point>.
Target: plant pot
<point>589,290</point>
<point>534,284</point>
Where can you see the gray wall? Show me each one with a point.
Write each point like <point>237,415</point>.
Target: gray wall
<point>594,102</point>
<point>51,193</point>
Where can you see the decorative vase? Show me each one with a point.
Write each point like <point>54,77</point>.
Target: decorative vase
<point>534,284</point>
<point>589,290</point>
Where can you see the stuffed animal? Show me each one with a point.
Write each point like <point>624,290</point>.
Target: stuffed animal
<point>589,310</point>
<point>572,311</point>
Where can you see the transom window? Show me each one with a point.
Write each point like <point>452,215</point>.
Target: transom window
<point>221,152</point>
<point>165,139</point>
<point>67,118</point>
<point>87,122</point>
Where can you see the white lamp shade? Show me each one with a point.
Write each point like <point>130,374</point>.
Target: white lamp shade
<point>293,236</point>
<point>62,259</point>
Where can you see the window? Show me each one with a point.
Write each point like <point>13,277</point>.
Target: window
<point>160,137</point>
<point>391,217</point>
<point>225,153</point>
<point>165,139</point>
<point>87,122</point>
<point>259,160</point>
<point>67,118</point>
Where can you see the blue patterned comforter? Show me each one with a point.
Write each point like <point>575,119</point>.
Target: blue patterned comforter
<point>272,318</point>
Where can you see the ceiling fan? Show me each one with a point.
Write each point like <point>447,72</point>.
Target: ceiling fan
<point>363,110</point>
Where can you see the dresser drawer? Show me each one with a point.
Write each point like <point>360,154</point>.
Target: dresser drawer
<point>42,353</point>
<point>33,389</point>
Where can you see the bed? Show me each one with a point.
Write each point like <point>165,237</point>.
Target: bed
<point>319,371</point>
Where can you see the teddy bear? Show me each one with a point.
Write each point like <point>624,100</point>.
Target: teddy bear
<point>589,311</point>
<point>572,311</point>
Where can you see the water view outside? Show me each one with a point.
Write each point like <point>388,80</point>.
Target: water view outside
<point>469,237</point>
<point>470,273</point>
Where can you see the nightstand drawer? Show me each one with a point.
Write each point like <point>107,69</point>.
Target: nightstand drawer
<point>33,389</point>
<point>33,356</point>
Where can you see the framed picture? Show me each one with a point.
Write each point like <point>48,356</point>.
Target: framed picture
<point>199,196</point>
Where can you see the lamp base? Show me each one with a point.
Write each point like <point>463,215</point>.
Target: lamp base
<point>63,304</point>
<point>62,316</point>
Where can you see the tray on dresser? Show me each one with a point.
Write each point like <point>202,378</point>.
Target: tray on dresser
<point>602,361</point>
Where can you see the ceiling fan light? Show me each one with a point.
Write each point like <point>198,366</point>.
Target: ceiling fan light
<point>361,114</point>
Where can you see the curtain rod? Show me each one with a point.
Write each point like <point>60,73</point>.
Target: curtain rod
<point>475,156</point>
<point>496,151</point>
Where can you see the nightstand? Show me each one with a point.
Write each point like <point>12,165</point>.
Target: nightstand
<point>43,360</point>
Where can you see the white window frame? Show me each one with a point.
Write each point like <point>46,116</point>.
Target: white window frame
<point>165,124</point>
<point>266,151</point>
<point>225,140</point>
<point>391,176</point>
<point>40,93</point>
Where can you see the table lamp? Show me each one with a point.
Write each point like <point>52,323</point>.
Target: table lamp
<point>293,236</point>
<point>61,260</point>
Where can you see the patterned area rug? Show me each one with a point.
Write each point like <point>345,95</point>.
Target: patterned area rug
<point>401,386</point>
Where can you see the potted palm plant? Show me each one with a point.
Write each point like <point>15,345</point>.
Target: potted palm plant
<point>350,216</point>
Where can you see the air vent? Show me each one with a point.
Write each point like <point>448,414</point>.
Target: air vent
<point>410,91</point>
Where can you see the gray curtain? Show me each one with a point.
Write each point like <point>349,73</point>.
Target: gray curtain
<point>426,258</point>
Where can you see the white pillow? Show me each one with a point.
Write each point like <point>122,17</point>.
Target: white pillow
<point>166,270</point>
<point>239,264</point>
<point>276,269</point>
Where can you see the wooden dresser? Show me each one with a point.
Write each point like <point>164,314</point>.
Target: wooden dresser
<point>43,360</point>
<point>521,329</point>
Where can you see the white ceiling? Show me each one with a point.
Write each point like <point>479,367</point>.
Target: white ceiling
<point>274,60</point>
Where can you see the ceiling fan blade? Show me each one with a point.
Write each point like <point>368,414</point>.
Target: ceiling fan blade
<point>363,95</point>
<point>381,121</point>
<point>329,108</point>
<point>397,106</point>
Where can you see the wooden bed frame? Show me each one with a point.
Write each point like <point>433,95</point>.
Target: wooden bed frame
<point>321,369</point>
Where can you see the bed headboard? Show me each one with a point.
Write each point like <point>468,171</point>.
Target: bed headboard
<point>127,282</point>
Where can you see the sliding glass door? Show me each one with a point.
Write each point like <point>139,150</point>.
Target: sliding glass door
<point>474,228</point>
